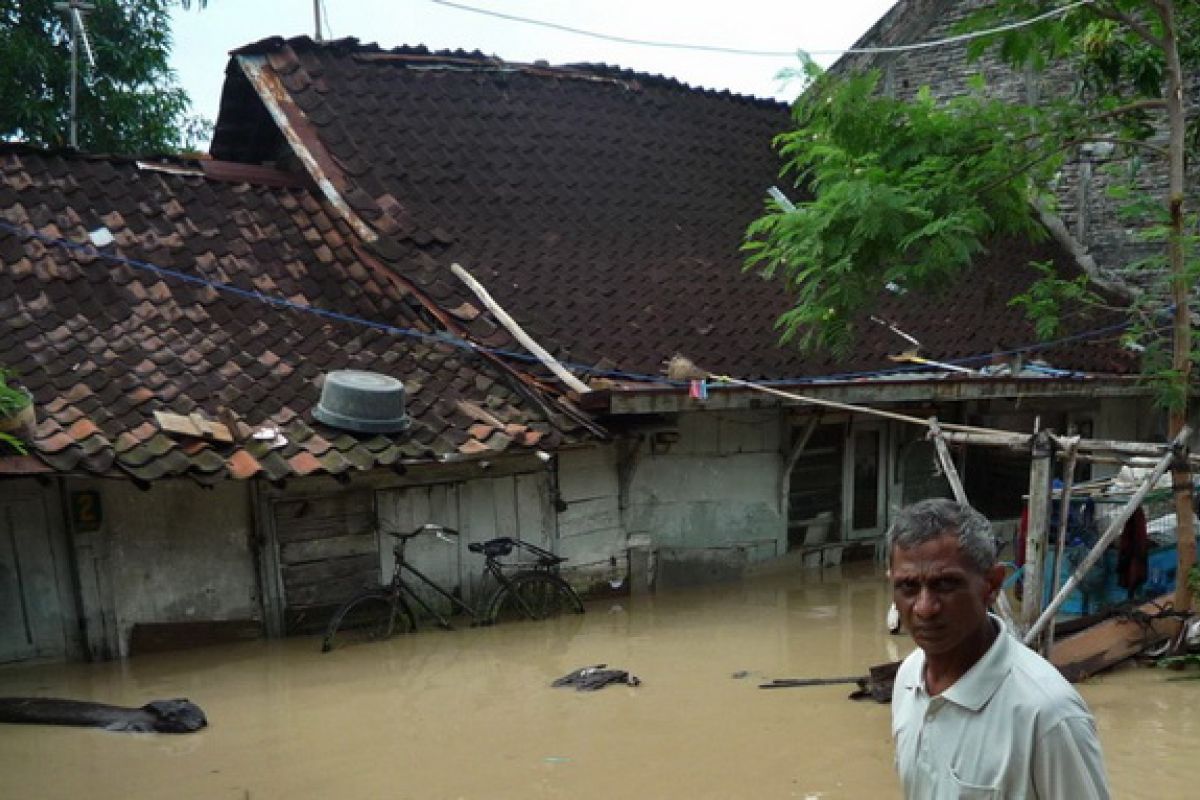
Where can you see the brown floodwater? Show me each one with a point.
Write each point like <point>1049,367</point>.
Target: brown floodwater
<point>470,713</point>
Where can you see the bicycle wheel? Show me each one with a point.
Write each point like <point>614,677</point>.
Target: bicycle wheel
<point>534,595</point>
<point>368,617</point>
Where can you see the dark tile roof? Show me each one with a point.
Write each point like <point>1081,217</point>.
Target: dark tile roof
<point>603,208</point>
<point>103,340</point>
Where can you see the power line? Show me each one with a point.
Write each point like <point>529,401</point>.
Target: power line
<point>454,341</point>
<point>965,37</point>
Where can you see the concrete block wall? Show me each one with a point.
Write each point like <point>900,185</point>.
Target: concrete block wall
<point>711,482</point>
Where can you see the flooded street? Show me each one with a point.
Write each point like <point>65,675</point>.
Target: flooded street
<point>470,713</point>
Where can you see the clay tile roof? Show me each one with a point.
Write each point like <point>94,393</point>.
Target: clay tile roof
<point>603,208</point>
<point>105,339</point>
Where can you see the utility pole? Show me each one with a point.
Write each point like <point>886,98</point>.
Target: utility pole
<point>317,18</point>
<point>75,10</point>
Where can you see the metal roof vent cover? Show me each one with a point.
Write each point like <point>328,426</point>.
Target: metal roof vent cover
<point>363,402</point>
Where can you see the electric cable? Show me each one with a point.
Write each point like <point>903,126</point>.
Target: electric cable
<point>965,37</point>
<point>449,339</point>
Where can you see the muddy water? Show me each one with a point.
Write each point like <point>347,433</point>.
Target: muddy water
<point>469,714</point>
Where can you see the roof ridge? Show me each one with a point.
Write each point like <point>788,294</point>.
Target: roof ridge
<point>421,54</point>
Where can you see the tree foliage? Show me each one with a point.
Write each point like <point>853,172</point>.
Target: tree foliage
<point>907,192</point>
<point>900,193</point>
<point>129,102</point>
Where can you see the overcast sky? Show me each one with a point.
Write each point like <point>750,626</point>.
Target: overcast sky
<point>203,38</point>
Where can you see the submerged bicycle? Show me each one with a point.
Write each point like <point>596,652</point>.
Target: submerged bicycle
<point>535,591</point>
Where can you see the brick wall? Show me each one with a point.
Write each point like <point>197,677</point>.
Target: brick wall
<point>1090,215</point>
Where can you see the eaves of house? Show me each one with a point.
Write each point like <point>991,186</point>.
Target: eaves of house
<point>605,210</point>
<point>228,291</point>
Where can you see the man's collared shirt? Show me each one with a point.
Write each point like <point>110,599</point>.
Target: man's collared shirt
<point>1011,727</point>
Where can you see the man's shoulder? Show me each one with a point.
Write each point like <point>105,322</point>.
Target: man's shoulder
<point>1041,685</point>
<point>910,668</point>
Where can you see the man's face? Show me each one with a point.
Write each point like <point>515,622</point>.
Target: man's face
<point>942,597</point>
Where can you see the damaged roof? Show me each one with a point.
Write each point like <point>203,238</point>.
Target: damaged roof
<point>603,208</point>
<point>203,303</point>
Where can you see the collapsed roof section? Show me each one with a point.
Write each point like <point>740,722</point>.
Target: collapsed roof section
<point>228,292</point>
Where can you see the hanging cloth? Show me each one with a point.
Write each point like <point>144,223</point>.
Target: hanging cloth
<point>1133,553</point>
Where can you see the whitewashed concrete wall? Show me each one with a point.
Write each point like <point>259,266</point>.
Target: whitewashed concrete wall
<point>590,534</point>
<point>716,487</point>
<point>174,553</point>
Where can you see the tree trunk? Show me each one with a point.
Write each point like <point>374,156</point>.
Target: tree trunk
<point>1181,360</point>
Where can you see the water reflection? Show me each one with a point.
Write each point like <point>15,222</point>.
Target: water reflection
<point>470,714</point>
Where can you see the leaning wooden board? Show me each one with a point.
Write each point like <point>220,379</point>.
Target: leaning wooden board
<point>1110,642</point>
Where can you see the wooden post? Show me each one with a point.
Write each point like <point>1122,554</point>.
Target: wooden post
<point>518,332</point>
<point>1114,529</point>
<point>939,441</point>
<point>1002,607</point>
<point>1064,514</point>
<point>1039,519</point>
<point>790,463</point>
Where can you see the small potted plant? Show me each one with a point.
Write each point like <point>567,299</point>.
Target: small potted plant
<point>16,406</point>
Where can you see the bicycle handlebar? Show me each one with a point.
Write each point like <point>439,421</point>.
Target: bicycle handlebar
<point>437,530</point>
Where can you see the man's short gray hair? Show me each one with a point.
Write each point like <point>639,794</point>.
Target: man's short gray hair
<point>926,520</point>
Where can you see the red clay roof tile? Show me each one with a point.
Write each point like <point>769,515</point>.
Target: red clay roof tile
<point>101,354</point>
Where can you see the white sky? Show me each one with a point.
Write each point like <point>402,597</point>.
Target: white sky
<point>204,38</point>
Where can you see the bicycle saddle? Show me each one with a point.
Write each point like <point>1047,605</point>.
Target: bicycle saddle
<point>493,548</point>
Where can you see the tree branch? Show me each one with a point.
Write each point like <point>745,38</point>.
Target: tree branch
<point>1117,15</point>
<point>1161,152</point>
<point>1129,108</point>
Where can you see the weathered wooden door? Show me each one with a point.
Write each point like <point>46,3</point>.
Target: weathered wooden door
<point>441,560</point>
<point>512,505</point>
<point>326,548</point>
<point>34,614</point>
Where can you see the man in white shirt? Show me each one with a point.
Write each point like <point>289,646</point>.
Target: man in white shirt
<point>975,713</point>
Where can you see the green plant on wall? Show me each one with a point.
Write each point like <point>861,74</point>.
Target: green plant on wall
<point>13,400</point>
<point>8,441</point>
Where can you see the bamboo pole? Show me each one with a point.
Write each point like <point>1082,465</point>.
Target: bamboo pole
<point>1039,518</point>
<point>518,332</point>
<point>1002,607</point>
<point>1114,528</point>
<point>1084,446</point>
<point>1064,514</point>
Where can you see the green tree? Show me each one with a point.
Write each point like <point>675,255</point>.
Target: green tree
<point>910,192</point>
<point>129,102</point>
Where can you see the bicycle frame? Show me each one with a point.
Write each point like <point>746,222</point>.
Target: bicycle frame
<point>491,566</point>
<point>400,585</point>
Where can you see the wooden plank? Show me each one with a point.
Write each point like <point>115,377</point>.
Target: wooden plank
<point>157,637</point>
<point>505,494</point>
<point>1110,642</point>
<point>324,506</point>
<point>352,524</point>
<point>477,513</point>
<point>329,593</point>
<point>298,575</point>
<point>194,425</point>
<point>1036,533</point>
<point>532,495</point>
<point>320,549</point>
